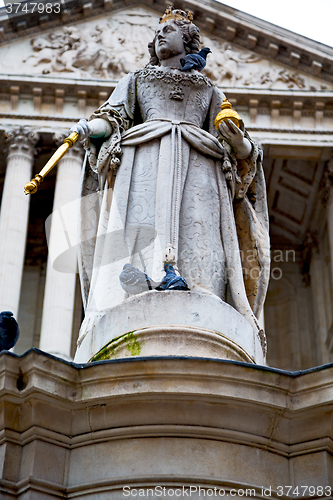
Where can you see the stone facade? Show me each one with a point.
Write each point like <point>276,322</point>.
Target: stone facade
<point>283,91</point>
<point>85,431</point>
<point>281,85</point>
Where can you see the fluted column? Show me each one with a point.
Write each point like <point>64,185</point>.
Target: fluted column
<point>318,299</point>
<point>14,214</point>
<point>324,321</point>
<point>329,188</point>
<point>58,307</point>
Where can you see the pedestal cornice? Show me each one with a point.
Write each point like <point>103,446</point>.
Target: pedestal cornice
<point>162,421</point>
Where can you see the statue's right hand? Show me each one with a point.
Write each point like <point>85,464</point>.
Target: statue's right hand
<point>82,128</point>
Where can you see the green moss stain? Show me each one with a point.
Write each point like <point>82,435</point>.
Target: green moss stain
<point>132,344</point>
<point>109,351</point>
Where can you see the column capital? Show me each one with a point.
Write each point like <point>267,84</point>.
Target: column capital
<point>21,139</point>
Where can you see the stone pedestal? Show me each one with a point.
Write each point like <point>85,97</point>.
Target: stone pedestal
<point>169,323</point>
<point>155,428</point>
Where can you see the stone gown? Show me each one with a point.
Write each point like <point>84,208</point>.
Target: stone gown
<point>177,189</point>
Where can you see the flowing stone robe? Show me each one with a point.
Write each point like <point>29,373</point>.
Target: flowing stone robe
<point>177,187</point>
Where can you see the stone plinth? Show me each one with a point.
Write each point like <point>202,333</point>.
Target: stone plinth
<point>169,323</point>
<point>88,431</point>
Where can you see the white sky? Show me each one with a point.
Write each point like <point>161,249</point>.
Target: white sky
<point>310,18</point>
<point>313,19</point>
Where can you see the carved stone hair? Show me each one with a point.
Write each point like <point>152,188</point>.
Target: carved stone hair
<point>191,36</point>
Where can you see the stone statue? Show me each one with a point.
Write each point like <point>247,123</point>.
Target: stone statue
<point>162,185</point>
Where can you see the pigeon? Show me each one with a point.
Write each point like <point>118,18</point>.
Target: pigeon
<point>134,281</point>
<point>9,331</point>
<point>171,280</point>
<point>195,61</point>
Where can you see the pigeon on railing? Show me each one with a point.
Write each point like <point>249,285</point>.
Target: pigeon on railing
<point>195,61</point>
<point>171,280</point>
<point>9,331</point>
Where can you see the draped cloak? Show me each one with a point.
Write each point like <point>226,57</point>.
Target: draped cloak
<point>163,180</point>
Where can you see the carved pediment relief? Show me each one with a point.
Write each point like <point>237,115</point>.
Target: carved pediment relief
<point>231,66</point>
<point>110,47</point>
<point>105,48</point>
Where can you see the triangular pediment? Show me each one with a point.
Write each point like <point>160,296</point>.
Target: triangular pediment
<point>108,46</point>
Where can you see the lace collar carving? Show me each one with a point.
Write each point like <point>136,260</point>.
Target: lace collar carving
<point>151,73</point>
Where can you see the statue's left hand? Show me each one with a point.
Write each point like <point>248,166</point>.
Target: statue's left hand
<point>97,128</point>
<point>82,128</point>
<point>235,137</point>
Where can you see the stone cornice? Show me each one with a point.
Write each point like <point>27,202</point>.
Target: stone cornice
<point>42,381</point>
<point>94,85</point>
<point>245,30</point>
<point>95,90</point>
<point>42,374</point>
<point>49,83</point>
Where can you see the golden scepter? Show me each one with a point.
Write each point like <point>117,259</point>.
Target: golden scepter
<point>32,186</point>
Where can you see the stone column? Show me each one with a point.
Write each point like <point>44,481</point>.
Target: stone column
<point>318,299</point>
<point>14,214</point>
<point>58,307</point>
<point>329,186</point>
<point>328,177</point>
<point>328,197</point>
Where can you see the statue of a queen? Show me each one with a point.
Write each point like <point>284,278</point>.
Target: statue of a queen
<point>167,186</point>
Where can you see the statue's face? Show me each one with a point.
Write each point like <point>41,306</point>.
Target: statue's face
<point>169,41</point>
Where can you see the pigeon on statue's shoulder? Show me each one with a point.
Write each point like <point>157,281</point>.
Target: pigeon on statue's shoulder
<point>195,61</point>
<point>9,331</point>
<point>171,280</point>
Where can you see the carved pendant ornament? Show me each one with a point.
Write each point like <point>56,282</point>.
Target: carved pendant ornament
<point>176,93</point>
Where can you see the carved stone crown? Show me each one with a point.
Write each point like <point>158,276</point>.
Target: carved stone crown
<point>172,13</point>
